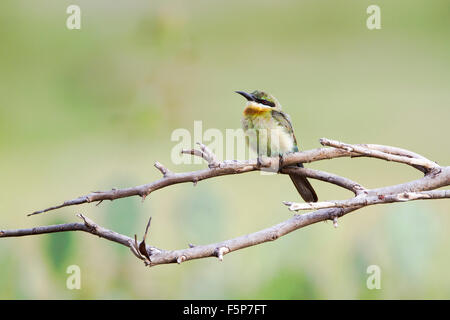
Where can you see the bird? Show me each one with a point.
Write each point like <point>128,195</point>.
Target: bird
<point>272,134</point>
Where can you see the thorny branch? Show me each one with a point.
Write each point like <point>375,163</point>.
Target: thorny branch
<point>435,177</point>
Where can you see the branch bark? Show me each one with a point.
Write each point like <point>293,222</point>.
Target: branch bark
<point>424,188</point>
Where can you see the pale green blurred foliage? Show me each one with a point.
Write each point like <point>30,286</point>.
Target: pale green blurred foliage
<point>93,109</point>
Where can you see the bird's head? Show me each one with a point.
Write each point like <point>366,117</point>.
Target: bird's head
<point>261,100</point>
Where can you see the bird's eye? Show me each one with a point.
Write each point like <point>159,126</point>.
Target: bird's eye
<point>266,102</point>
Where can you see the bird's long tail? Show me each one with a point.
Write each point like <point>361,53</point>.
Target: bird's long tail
<point>304,187</point>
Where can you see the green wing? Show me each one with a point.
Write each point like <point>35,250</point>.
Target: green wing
<point>285,121</point>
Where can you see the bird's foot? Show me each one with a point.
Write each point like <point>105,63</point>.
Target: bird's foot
<point>280,162</point>
<point>262,162</point>
<point>259,162</point>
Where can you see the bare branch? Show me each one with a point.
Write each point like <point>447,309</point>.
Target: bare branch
<point>216,169</point>
<point>346,183</point>
<point>88,226</point>
<point>364,200</point>
<point>395,150</point>
<point>364,150</point>
<point>218,250</point>
<point>420,189</point>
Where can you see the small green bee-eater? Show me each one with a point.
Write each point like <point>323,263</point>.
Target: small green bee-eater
<point>272,134</point>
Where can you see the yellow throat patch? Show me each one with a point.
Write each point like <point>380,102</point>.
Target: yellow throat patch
<point>255,110</point>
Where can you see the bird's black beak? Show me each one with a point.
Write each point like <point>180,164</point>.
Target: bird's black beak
<point>246,95</point>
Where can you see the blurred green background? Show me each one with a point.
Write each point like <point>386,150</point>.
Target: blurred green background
<point>92,109</point>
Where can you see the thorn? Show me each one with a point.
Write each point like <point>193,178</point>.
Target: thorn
<point>136,247</point>
<point>194,181</point>
<point>146,229</point>
<point>335,222</point>
<point>98,203</point>
<point>181,259</point>
<point>135,252</point>
<point>191,245</point>
<point>221,251</point>
<point>86,221</point>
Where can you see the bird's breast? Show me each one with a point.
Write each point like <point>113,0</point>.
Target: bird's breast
<point>272,138</point>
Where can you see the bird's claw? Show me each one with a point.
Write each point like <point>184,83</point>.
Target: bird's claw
<point>259,162</point>
<point>280,162</point>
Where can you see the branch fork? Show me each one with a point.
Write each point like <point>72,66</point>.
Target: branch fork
<point>205,153</point>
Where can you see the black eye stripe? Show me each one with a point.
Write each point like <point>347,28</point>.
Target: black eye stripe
<point>266,102</point>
